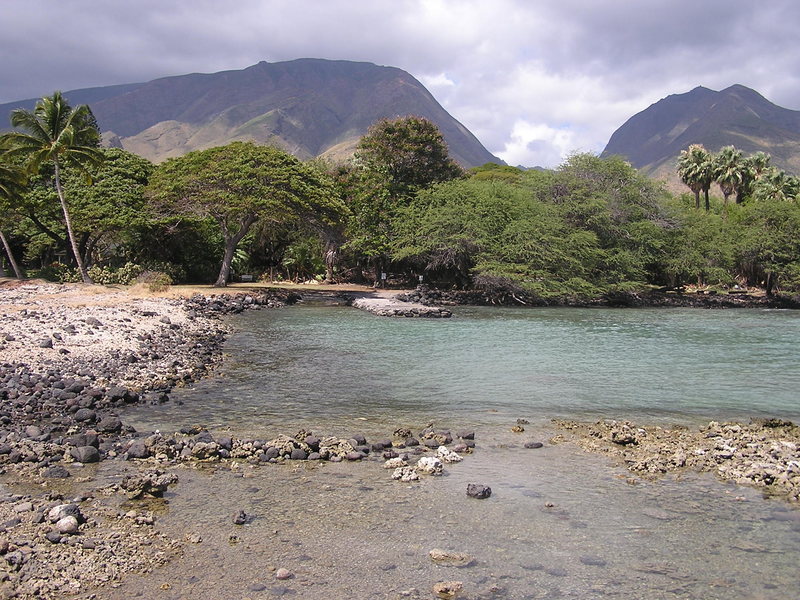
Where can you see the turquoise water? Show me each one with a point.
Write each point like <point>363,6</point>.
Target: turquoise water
<point>561,523</point>
<point>660,365</point>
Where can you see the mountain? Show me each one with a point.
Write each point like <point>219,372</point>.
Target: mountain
<point>308,107</point>
<point>652,139</point>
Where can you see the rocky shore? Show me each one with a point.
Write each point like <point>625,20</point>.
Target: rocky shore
<point>428,296</point>
<point>70,356</point>
<point>764,453</point>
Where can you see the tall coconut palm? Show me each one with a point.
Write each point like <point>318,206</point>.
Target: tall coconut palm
<point>729,171</point>
<point>12,180</point>
<point>56,133</point>
<point>695,170</point>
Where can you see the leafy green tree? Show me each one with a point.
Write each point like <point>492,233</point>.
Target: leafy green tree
<point>12,180</point>
<point>103,214</point>
<point>696,170</point>
<point>496,172</point>
<point>395,160</point>
<point>236,186</point>
<point>594,226</point>
<point>406,155</point>
<point>56,133</point>
<point>699,250</point>
<point>449,228</point>
<point>768,244</point>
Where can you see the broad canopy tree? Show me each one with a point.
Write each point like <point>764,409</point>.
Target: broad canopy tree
<point>57,134</point>
<point>236,186</point>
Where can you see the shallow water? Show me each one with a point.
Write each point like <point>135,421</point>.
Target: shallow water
<point>348,531</point>
<point>330,365</point>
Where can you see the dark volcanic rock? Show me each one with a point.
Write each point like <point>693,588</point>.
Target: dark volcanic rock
<point>85,415</point>
<point>55,472</point>
<point>85,454</point>
<point>475,490</point>
<point>110,424</point>
<point>298,454</point>
<point>138,449</point>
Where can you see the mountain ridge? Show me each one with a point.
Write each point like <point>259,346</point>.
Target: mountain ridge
<point>309,107</point>
<point>737,115</point>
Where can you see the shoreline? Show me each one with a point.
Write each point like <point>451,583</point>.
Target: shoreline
<point>655,299</point>
<point>58,413</point>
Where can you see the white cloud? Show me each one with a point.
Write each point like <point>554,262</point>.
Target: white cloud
<point>537,144</point>
<point>437,82</point>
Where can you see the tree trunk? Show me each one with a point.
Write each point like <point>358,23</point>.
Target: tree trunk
<point>697,199</point>
<point>231,243</point>
<point>770,284</point>
<point>68,222</point>
<point>705,195</point>
<point>11,259</point>
<point>331,259</point>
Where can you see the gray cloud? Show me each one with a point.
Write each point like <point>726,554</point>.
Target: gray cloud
<point>533,80</point>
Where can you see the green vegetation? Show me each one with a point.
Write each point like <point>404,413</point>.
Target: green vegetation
<point>236,186</point>
<point>392,163</point>
<point>594,227</point>
<point>12,182</point>
<point>56,134</point>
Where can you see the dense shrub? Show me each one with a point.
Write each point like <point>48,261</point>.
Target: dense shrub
<point>127,274</point>
<point>156,281</point>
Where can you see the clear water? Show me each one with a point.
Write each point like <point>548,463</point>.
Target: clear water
<point>349,531</point>
<point>331,364</point>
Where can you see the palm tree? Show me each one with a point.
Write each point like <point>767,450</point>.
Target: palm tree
<point>12,179</point>
<point>776,185</point>
<point>754,168</point>
<point>695,170</point>
<point>58,134</point>
<point>729,171</point>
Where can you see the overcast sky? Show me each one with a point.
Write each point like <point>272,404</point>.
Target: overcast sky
<point>533,80</point>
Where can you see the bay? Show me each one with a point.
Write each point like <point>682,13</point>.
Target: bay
<point>661,365</point>
<point>560,523</point>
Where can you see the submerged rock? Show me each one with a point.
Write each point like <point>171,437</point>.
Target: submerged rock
<point>405,474</point>
<point>475,490</point>
<point>395,463</point>
<point>150,483</point>
<point>430,465</point>
<point>448,589</point>
<point>448,456</point>
<point>456,559</point>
